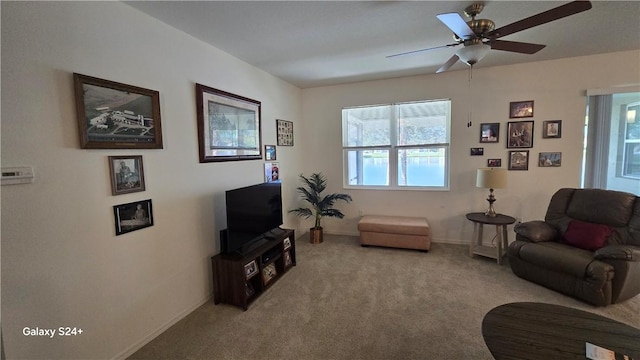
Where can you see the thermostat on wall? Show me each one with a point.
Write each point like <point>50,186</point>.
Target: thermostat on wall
<point>17,175</point>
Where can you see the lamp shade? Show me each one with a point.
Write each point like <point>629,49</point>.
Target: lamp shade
<point>471,54</point>
<point>491,178</point>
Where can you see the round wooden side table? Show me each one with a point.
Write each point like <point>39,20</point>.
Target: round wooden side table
<point>500,221</point>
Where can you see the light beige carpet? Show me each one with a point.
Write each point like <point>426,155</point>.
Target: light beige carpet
<point>343,301</point>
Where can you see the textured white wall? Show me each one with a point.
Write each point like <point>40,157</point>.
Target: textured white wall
<point>62,264</point>
<point>558,89</point>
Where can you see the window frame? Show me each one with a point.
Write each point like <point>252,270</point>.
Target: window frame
<point>393,150</point>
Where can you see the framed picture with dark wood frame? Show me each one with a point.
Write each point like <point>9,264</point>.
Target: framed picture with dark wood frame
<point>489,132</point>
<point>494,162</point>
<point>113,115</point>
<point>269,152</point>
<point>521,109</point>
<point>519,134</point>
<point>228,126</point>
<point>127,174</point>
<point>552,129</point>
<point>550,159</point>
<point>133,216</point>
<point>284,130</point>
<point>519,160</point>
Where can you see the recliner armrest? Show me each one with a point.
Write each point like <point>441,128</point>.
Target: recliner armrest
<point>618,252</point>
<point>535,231</point>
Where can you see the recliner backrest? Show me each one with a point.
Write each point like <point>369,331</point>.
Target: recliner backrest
<point>619,210</point>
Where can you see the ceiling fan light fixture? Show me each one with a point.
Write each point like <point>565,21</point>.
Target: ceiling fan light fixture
<point>471,54</point>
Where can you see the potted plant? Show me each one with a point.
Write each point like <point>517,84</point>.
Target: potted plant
<point>321,206</point>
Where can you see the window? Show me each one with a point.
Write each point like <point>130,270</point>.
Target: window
<point>612,141</point>
<point>631,149</point>
<point>397,146</point>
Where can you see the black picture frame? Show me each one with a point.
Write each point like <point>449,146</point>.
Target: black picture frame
<point>113,115</point>
<point>133,216</point>
<point>127,174</point>
<point>494,162</point>
<point>518,160</point>
<point>521,109</point>
<point>550,159</point>
<point>476,151</point>
<point>519,134</point>
<point>284,131</point>
<point>270,152</point>
<point>489,132</point>
<point>229,126</point>
<point>552,129</point>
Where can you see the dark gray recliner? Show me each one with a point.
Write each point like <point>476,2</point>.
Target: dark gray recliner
<point>546,253</point>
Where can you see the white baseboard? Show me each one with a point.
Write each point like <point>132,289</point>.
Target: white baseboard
<point>152,335</point>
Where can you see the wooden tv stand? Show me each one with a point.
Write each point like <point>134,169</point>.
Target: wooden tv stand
<point>238,279</point>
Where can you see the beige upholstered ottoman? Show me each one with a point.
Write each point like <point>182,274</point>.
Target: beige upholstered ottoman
<point>395,231</point>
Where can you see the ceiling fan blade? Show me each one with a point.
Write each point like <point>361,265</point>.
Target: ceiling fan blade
<point>452,60</point>
<point>457,24</point>
<point>559,12</point>
<point>422,50</point>
<point>516,46</point>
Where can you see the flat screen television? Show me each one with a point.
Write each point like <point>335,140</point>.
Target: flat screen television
<point>252,212</point>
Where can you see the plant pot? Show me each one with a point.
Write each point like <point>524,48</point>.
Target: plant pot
<point>315,235</point>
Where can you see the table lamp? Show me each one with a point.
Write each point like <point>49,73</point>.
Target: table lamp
<point>491,178</point>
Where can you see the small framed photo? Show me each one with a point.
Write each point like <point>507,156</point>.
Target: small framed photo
<point>284,132</point>
<point>270,152</point>
<point>549,159</point>
<point>286,243</point>
<point>477,151</point>
<point>521,109</point>
<point>287,259</point>
<point>519,160</point>
<point>127,174</point>
<point>519,134</point>
<point>489,132</point>
<point>494,162</point>
<point>552,129</point>
<point>271,172</point>
<point>113,115</point>
<point>133,216</point>
<point>268,273</point>
<point>250,269</point>
<point>228,126</point>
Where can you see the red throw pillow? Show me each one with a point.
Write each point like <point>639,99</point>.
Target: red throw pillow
<point>588,236</point>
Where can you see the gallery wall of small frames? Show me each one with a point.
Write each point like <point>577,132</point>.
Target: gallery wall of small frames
<point>518,136</point>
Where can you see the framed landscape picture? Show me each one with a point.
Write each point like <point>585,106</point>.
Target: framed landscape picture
<point>127,174</point>
<point>113,115</point>
<point>549,159</point>
<point>521,109</point>
<point>519,160</point>
<point>228,126</point>
<point>133,216</point>
<point>519,134</point>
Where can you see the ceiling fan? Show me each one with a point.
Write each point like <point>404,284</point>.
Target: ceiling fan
<point>478,36</point>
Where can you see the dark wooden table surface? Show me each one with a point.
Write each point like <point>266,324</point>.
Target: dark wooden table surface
<point>545,331</point>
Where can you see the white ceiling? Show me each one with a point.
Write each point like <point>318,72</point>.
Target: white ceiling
<point>317,43</point>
